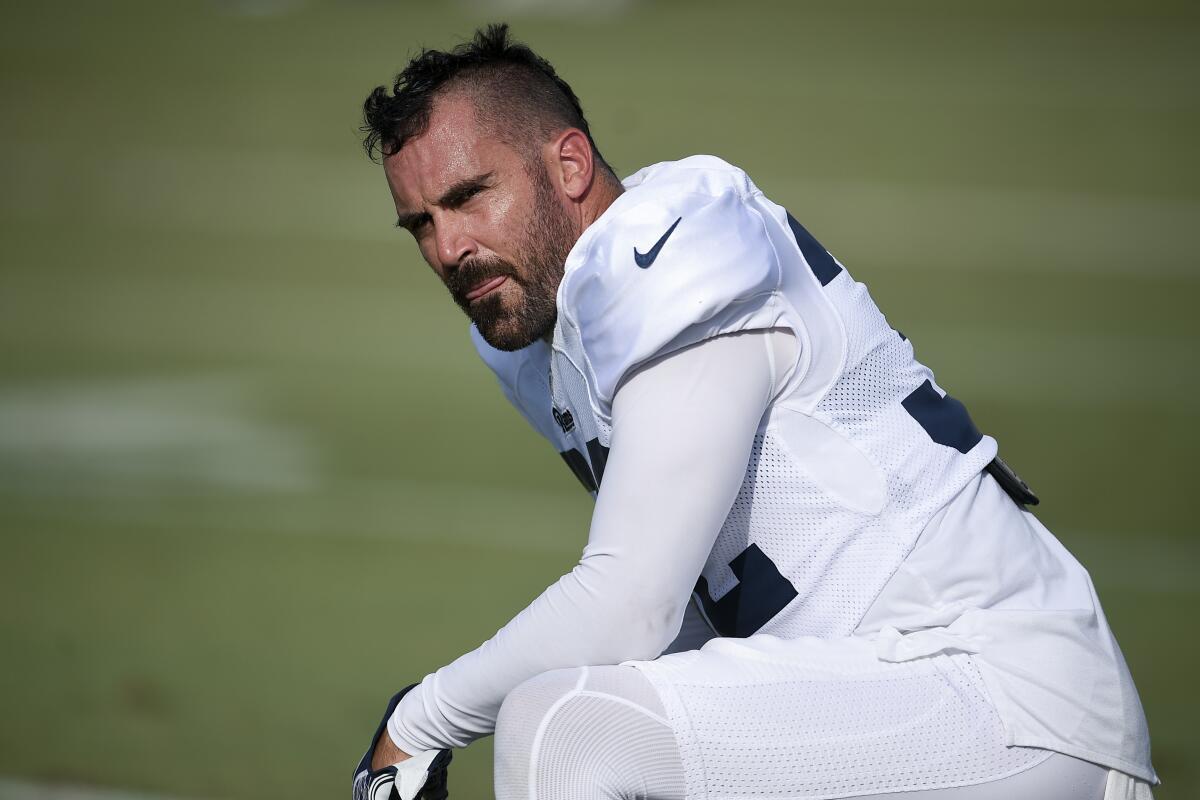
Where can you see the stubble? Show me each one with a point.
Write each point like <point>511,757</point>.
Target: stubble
<point>547,239</point>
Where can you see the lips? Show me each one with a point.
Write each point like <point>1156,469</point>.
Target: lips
<point>489,285</point>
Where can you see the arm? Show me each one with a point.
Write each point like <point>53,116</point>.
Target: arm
<point>683,427</point>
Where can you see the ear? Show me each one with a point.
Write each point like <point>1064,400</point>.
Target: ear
<point>571,160</point>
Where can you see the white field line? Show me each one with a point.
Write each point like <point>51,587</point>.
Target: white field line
<point>535,520</point>
<point>150,433</point>
<point>123,446</point>
<point>109,445</point>
<point>990,229</point>
<point>396,511</point>
<point>1029,366</point>
<point>17,789</point>
<point>137,451</point>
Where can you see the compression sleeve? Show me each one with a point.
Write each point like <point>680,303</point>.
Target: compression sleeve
<point>683,427</point>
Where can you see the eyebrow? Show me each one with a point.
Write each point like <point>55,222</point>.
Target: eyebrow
<point>407,221</point>
<point>456,195</point>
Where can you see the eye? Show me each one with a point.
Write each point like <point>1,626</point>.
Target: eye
<point>461,198</point>
<point>463,194</point>
<point>419,224</point>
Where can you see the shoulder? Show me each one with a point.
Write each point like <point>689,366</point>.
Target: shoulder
<point>699,192</point>
<point>682,255</point>
<point>523,377</point>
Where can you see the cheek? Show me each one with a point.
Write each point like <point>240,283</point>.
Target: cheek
<point>500,220</point>
<point>502,205</point>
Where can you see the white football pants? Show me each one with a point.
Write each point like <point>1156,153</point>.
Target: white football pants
<point>602,733</point>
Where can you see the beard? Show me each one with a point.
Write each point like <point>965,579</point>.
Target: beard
<point>546,240</point>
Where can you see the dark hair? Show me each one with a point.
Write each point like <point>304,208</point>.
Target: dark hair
<point>516,93</point>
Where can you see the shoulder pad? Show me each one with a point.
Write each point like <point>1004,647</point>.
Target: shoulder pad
<point>681,256</point>
<point>524,377</point>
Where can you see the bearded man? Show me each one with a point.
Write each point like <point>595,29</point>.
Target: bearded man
<point>807,574</point>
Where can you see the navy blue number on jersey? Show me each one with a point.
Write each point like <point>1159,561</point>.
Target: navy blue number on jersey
<point>589,474</point>
<point>945,419</point>
<point>761,592</point>
<point>822,264</point>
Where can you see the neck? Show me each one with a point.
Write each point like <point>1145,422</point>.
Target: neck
<point>602,195</point>
<point>599,198</point>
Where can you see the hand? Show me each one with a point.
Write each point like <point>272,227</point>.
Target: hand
<point>386,772</point>
<point>421,777</point>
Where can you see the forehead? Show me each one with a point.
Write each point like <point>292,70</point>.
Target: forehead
<point>452,148</point>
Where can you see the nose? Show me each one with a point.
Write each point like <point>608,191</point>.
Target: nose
<point>453,243</point>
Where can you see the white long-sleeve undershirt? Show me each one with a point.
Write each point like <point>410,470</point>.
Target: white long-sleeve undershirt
<point>683,426</point>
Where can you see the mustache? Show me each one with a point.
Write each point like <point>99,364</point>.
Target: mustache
<point>472,273</point>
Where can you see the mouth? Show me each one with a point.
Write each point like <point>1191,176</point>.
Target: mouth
<point>486,287</point>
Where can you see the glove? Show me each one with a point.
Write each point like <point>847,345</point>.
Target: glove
<point>422,777</point>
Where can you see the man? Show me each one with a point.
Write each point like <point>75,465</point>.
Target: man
<point>807,574</point>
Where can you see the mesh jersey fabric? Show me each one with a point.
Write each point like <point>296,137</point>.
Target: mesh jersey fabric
<point>820,718</point>
<point>859,451</point>
<point>1058,777</point>
<point>601,732</point>
<point>626,598</point>
<point>835,543</point>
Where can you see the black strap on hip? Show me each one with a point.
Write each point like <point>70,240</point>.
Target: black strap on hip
<point>1011,483</point>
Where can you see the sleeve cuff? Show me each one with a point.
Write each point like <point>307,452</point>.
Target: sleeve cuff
<point>396,730</point>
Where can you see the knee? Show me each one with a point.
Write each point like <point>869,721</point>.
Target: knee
<point>585,732</point>
<point>528,704</point>
<point>521,717</point>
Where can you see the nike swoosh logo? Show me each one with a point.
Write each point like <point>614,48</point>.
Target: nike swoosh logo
<point>644,260</point>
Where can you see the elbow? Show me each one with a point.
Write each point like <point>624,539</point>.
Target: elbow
<point>631,618</point>
<point>642,627</point>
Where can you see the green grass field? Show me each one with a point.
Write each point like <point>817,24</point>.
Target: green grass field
<point>242,431</point>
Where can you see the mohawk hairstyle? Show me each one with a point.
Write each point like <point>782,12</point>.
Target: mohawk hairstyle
<point>516,93</point>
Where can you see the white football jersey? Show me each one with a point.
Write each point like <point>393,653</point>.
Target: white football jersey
<point>859,449</point>
<point>692,250</point>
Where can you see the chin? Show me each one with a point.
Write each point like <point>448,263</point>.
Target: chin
<point>505,337</point>
<point>507,328</point>
<point>512,332</point>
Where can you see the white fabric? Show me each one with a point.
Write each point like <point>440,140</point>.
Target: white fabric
<point>812,470</point>
<point>844,477</point>
<point>524,376</point>
<point>811,718</point>
<point>716,265</point>
<point>982,553</point>
<point>601,732</point>
<point>412,773</point>
<point>988,578</point>
<point>650,534</point>
<point>1124,787</point>
<point>1059,777</point>
<point>694,632</point>
<point>589,732</point>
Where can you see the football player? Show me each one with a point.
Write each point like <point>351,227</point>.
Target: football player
<point>807,572</point>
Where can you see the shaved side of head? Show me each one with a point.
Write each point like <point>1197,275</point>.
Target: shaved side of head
<point>516,94</point>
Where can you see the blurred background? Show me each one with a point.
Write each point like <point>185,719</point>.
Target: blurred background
<point>244,437</point>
